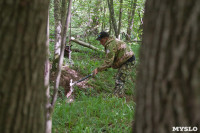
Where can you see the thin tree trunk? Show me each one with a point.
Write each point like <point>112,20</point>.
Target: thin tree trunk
<point>141,26</point>
<point>22,61</point>
<point>131,20</point>
<point>95,18</point>
<point>63,19</point>
<point>63,13</point>
<point>168,84</point>
<point>58,29</point>
<point>120,18</point>
<point>112,16</point>
<point>110,23</point>
<point>58,72</point>
<point>47,73</point>
<point>60,11</point>
<point>69,42</point>
<point>104,17</point>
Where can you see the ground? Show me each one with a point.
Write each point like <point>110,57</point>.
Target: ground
<point>68,74</point>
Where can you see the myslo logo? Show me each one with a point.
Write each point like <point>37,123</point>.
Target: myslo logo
<point>184,129</point>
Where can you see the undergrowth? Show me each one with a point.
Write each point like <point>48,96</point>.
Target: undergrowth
<point>93,111</point>
<point>93,115</point>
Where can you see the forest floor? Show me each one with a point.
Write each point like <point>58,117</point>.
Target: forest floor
<point>70,74</point>
<point>94,107</point>
<point>67,75</point>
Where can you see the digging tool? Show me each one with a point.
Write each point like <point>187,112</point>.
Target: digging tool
<point>71,83</point>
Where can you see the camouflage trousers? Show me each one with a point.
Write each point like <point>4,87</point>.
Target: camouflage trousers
<point>122,76</point>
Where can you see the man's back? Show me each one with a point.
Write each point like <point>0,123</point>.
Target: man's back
<point>122,51</point>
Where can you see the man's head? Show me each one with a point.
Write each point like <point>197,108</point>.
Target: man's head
<point>102,37</point>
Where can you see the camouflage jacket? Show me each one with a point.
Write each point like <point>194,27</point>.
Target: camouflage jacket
<point>117,53</point>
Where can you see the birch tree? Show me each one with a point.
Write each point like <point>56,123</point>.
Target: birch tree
<point>60,12</point>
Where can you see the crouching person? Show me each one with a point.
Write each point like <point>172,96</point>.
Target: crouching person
<point>118,56</point>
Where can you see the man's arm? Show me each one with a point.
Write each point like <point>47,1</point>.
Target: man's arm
<point>110,55</point>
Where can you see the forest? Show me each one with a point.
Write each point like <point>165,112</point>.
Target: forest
<point>93,66</point>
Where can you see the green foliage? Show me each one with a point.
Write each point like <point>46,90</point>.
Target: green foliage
<point>92,111</point>
<point>87,14</point>
<point>93,115</point>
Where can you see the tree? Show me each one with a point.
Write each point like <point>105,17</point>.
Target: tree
<point>48,123</point>
<point>112,16</point>
<point>96,17</point>
<point>168,80</point>
<point>50,105</point>
<point>120,18</point>
<point>59,17</point>
<point>131,14</point>
<point>23,52</point>
<point>58,28</point>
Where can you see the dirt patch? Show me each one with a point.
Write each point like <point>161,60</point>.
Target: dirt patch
<point>68,74</point>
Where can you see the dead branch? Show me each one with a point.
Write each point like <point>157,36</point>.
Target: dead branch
<point>85,44</point>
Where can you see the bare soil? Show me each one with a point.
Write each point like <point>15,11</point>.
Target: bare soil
<point>68,74</point>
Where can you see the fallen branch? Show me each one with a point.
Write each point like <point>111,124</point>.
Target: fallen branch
<point>85,44</point>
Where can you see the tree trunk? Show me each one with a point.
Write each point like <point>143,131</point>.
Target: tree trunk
<point>58,29</point>
<point>131,20</point>
<point>58,71</point>
<point>22,61</point>
<point>112,16</point>
<point>168,84</point>
<point>63,12</point>
<point>104,17</point>
<point>120,18</point>
<point>96,18</point>
<point>60,11</point>
<point>47,74</point>
<point>110,25</point>
<point>141,26</point>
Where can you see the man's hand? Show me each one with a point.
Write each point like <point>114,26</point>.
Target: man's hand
<point>95,72</point>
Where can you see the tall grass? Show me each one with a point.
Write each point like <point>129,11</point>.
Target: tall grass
<point>93,115</point>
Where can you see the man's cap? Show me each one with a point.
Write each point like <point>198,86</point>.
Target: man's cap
<point>102,35</point>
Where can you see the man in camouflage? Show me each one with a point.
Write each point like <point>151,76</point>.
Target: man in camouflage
<point>118,56</point>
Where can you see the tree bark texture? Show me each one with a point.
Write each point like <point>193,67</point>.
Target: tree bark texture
<point>58,28</point>
<point>96,17</point>
<point>131,14</point>
<point>48,124</point>
<point>63,12</point>
<point>58,71</point>
<point>168,87</point>
<point>104,17</point>
<point>22,93</point>
<point>120,18</point>
<point>112,16</point>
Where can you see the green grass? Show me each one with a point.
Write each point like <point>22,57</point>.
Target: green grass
<point>93,115</point>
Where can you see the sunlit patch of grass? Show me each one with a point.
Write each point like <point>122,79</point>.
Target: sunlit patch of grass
<point>93,114</point>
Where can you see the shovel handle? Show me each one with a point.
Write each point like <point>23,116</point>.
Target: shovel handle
<point>84,78</point>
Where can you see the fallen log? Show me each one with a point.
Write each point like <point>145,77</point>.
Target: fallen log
<point>85,44</point>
